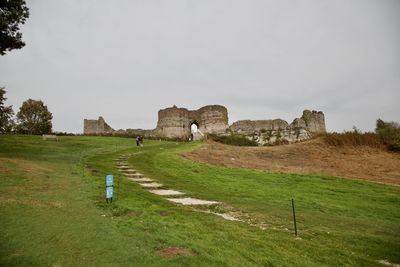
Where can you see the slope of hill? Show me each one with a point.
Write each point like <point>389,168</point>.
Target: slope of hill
<point>53,210</point>
<point>310,157</point>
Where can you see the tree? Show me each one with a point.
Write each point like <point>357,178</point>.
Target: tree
<point>34,118</point>
<point>12,13</point>
<point>6,114</point>
<point>389,133</point>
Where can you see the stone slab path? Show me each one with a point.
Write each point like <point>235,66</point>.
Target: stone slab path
<point>121,164</point>
<point>151,185</point>
<point>130,171</point>
<point>135,175</point>
<point>171,195</point>
<point>140,180</point>
<point>192,201</point>
<point>166,192</point>
<point>123,167</point>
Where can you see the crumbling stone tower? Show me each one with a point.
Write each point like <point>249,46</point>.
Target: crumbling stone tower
<point>176,122</point>
<point>96,127</point>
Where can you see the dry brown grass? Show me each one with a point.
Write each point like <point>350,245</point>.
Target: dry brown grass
<point>14,166</point>
<point>173,252</point>
<point>311,157</point>
<point>353,139</point>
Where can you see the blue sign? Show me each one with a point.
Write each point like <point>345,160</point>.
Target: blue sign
<point>109,192</point>
<point>109,180</point>
<point>109,186</point>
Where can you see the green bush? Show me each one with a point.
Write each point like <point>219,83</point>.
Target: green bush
<point>234,140</point>
<point>280,142</point>
<point>395,147</point>
<point>386,134</point>
<point>389,132</point>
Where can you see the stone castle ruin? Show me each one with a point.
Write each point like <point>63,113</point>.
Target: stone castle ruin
<point>176,123</point>
<point>96,127</point>
<point>266,132</point>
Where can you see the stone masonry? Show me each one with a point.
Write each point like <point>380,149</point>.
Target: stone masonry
<point>97,127</point>
<point>175,123</point>
<point>266,132</point>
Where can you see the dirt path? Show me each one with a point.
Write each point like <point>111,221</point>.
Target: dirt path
<point>311,157</point>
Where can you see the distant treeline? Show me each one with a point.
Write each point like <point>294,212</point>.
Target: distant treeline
<point>387,134</point>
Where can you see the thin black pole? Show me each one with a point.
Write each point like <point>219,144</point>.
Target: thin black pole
<point>294,218</point>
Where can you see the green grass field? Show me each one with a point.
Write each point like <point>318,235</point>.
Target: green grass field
<point>53,211</point>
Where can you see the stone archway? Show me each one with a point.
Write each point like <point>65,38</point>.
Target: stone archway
<point>194,127</point>
<point>176,122</point>
<point>195,133</point>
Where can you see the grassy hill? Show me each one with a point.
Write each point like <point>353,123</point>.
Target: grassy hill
<point>371,162</point>
<point>53,212</point>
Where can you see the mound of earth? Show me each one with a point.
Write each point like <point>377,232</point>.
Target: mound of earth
<point>310,157</point>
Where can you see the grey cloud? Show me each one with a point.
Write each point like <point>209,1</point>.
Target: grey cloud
<point>262,59</point>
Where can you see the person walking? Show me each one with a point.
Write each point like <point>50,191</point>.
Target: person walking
<point>140,140</point>
<point>137,141</point>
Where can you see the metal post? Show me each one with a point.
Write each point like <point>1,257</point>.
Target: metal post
<point>294,218</point>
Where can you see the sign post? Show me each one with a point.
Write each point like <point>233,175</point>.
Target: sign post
<point>109,188</point>
<point>294,218</point>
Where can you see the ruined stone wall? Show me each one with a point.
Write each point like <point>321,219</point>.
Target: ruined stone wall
<point>173,123</point>
<point>213,119</point>
<point>314,121</point>
<point>266,132</point>
<point>98,126</point>
<point>176,122</point>
<point>248,126</point>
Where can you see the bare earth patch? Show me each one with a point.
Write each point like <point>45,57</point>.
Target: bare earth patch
<point>310,157</point>
<point>173,252</point>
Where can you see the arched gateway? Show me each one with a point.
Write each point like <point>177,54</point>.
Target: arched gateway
<point>176,122</point>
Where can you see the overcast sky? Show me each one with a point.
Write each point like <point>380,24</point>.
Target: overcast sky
<point>124,60</point>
